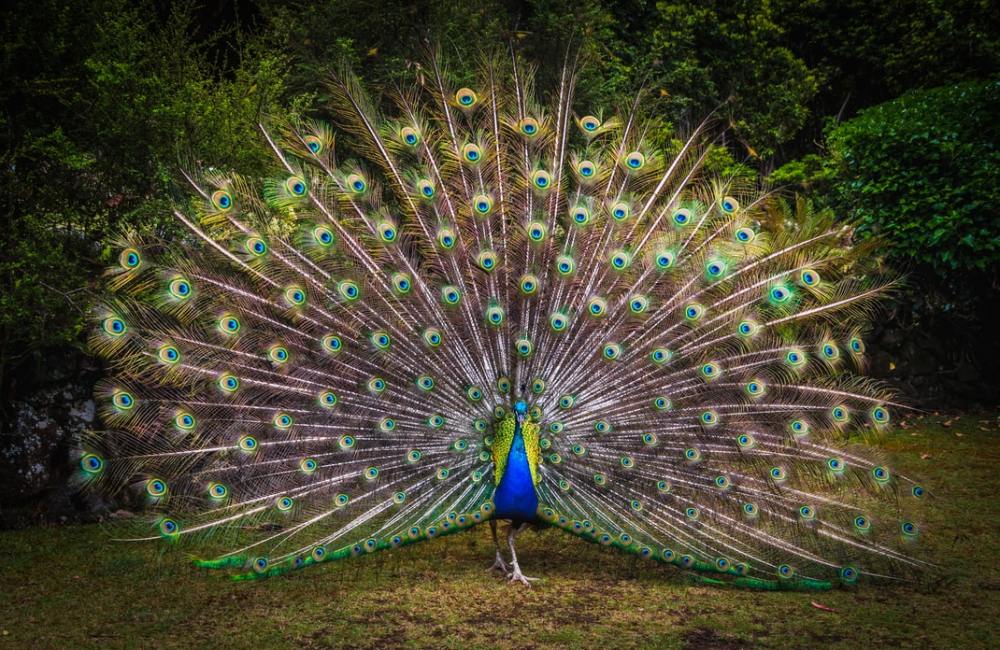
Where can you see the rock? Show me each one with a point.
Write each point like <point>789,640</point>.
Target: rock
<point>41,429</point>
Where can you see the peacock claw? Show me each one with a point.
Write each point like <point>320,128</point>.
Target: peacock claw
<point>517,576</point>
<point>500,565</point>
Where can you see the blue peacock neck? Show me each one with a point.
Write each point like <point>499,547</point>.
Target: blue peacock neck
<point>515,497</point>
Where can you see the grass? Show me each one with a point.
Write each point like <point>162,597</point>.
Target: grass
<point>68,586</point>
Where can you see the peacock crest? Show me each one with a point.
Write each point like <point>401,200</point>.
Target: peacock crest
<point>358,352</point>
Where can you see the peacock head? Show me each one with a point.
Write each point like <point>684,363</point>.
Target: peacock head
<point>520,408</point>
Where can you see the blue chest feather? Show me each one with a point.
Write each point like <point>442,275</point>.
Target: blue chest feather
<point>515,497</point>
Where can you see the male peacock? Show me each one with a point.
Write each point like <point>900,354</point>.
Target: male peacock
<point>496,310</point>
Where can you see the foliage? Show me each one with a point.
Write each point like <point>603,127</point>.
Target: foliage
<point>920,171</point>
<point>103,102</point>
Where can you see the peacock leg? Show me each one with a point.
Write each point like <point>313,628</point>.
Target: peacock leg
<point>515,574</point>
<point>499,562</point>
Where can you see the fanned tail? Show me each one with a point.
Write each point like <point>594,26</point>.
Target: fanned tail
<point>315,370</point>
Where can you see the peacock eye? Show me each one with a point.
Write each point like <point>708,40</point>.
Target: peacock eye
<point>295,296</point>
<point>880,415</point>
<point>849,574</point>
<point>169,528</point>
<point>541,179</point>
<point>472,153</point>
<point>222,200</point>
<point>586,169</point>
<point>426,189</point>
<point>256,246</point>
<point>323,236</point>
<point>745,235</point>
<point>536,231</point>
<point>130,259</point>
<point>779,294</point>
<point>693,312</point>
<point>123,400</point>
<point>278,354</point>
<point>401,282</point>
<point>638,304</point>
<point>482,204</point>
<point>357,183</point>
<point>179,289</point>
<point>295,186</point>
<point>682,217</point>
<point>184,421</point>
<point>229,324</point>
<point>580,215</point>
<point>809,278</point>
<point>528,126</point>
<point>465,97</point>
<point>314,144</point>
<point>590,123</point>
<point>565,265</point>
<point>432,336</point>
<point>349,290</point>
<point>635,160</point>
<point>114,326</point>
<point>446,238</point>
<point>795,358</point>
<point>409,135</point>
<point>620,260</point>
<point>381,340</point>
<point>715,269</point>
<point>597,306</point>
<point>495,315</point>
<point>91,463</point>
<point>229,383</point>
<point>169,354</point>
<point>450,295</point>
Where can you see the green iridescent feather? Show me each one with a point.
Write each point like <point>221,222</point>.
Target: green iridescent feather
<point>327,366</point>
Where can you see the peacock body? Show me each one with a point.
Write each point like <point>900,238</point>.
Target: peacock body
<point>496,310</point>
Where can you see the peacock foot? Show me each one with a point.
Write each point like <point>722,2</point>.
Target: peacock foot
<point>516,576</point>
<point>500,565</point>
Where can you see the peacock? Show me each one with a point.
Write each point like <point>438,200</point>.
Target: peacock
<point>485,306</point>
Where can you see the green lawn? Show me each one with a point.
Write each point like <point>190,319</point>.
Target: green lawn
<point>69,587</point>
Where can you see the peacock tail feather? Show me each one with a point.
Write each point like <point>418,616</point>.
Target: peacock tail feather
<point>325,365</point>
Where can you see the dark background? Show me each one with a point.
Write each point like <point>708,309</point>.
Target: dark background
<point>887,113</point>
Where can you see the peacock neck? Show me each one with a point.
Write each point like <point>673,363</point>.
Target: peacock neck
<point>515,497</point>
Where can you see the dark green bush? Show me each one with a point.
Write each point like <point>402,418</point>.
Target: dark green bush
<point>922,171</point>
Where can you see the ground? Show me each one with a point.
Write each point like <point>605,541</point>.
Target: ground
<point>70,586</point>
